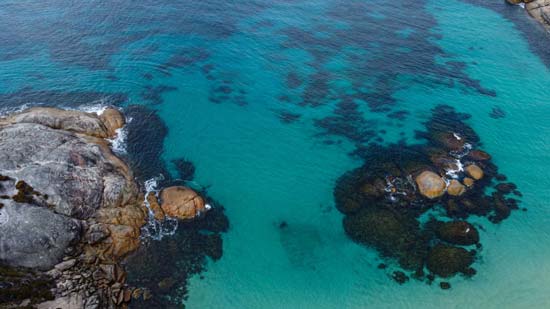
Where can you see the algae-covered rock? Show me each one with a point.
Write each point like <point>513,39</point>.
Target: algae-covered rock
<point>458,233</point>
<point>446,261</point>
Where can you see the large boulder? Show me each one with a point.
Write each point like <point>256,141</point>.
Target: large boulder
<point>430,184</point>
<point>182,202</point>
<point>455,188</point>
<point>474,171</point>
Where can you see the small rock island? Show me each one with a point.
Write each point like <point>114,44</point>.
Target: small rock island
<point>71,210</point>
<point>412,202</point>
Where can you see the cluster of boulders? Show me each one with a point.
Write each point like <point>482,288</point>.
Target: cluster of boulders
<point>70,210</point>
<point>384,199</point>
<point>539,9</point>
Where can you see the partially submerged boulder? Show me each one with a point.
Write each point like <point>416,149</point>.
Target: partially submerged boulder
<point>455,188</point>
<point>474,171</point>
<point>182,202</point>
<point>430,184</point>
<point>154,205</point>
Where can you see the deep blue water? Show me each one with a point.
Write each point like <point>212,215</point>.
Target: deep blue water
<point>272,101</point>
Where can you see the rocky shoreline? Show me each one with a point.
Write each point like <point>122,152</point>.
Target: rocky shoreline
<point>71,211</point>
<point>538,9</point>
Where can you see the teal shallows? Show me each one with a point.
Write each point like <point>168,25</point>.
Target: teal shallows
<point>265,171</point>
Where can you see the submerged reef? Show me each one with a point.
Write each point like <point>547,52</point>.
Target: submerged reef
<point>411,202</point>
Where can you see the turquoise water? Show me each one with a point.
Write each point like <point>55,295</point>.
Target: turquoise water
<point>305,58</point>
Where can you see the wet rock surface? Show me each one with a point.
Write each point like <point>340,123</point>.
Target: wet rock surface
<point>182,202</point>
<point>71,210</point>
<point>538,9</point>
<point>445,178</point>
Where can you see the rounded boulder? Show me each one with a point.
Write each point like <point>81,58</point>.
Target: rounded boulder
<point>430,184</point>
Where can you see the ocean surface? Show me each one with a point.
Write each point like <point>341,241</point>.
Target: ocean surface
<point>270,101</point>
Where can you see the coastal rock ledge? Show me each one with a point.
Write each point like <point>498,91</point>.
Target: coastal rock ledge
<point>70,211</point>
<point>538,9</point>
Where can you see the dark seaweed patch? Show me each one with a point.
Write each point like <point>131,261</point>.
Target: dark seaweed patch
<point>187,57</point>
<point>164,267</point>
<point>185,169</point>
<point>176,258</point>
<point>348,122</point>
<point>293,80</point>
<point>288,117</point>
<point>154,94</point>
<point>399,115</point>
<point>71,40</point>
<point>18,284</point>
<point>145,141</point>
<point>497,113</point>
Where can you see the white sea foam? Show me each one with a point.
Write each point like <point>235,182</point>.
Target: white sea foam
<point>12,110</point>
<point>154,229</point>
<point>522,5</point>
<point>118,143</point>
<point>453,173</point>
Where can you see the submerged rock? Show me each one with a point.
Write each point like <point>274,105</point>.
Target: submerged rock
<point>400,277</point>
<point>450,140</point>
<point>430,184</point>
<point>479,155</point>
<point>506,187</point>
<point>394,235</point>
<point>458,233</point>
<point>446,261</point>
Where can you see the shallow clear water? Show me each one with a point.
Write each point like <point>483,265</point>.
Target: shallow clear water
<point>240,70</point>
